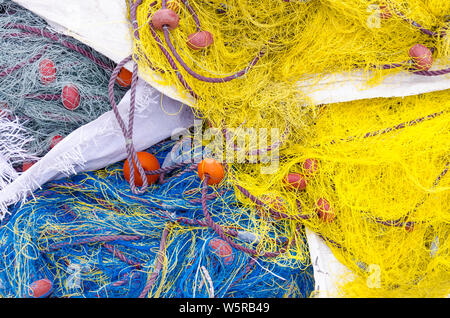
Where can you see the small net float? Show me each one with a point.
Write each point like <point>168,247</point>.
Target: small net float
<point>70,97</point>
<point>212,168</point>
<point>409,227</point>
<point>27,165</point>
<point>384,12</point>
<point>165,17</point>
<point>222,249</point>
<point>310,166</point>
<point>148,162</point>
<point>173,5</point>
<point>55,140</point>
<point>41,288</point>
<point>422,57</point>
<point>324,210</point>
<point>47,71</point>
<point>124,77</point>
<point>200,40</point>
<point>295,181</point>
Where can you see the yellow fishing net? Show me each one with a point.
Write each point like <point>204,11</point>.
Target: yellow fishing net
<point>382,163</point>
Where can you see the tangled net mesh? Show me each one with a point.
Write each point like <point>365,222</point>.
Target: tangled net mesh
<point>27,41</point>
<point>382,163</point>
<point>92,237</point>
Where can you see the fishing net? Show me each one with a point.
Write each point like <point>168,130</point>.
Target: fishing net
<point>49,84</point>
<point>90,236</point>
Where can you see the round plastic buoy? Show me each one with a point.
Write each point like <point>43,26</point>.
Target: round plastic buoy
<point>310,166</point>
<point>223,250</point>
<point>47,70</point>
<point>200,40</point>
<point>422,57</point>
<point>295,181</point>
<point>324,210</point>
<point>41,288</point>
<point>148,162</point>
<point>166,17</point>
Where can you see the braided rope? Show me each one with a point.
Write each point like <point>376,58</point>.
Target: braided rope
<point>95,239</point>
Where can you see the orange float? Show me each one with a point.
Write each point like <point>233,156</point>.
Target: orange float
<point>124,77</point>
<point>148,162</point>
<point>212,168</point>
<point>324,210</point>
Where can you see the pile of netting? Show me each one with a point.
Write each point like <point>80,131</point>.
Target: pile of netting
<point>371,178</point>
<point>243,59</point>
<point>90,236</point>
<point>50,84</point>
<point>368,176</point>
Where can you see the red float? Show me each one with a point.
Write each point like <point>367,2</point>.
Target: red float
<point>55,140</point>
<point>200,40</point>
<point>70,97</point>
<point>165,17</point>
<point>422,57</point>
<point>324,210</point>
<point>295,181</point>
<point>27,165</point>
<point>310,166</point>
<point>385,13</point>
<point>222,249</point>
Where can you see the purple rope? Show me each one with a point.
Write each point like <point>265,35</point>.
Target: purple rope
<point>53,97</point>
<point>128,133</point>
<point>120,255</point>
<point>188,169</point>
<point>403,221</point>
<point>171,61</point>
<point>431,73</point>
<point>393,128</point>
<point>274,213</point>
<point>257,152</point>
<point>193,13</point>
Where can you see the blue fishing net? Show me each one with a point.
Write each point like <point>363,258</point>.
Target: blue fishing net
<point>92,237</point>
